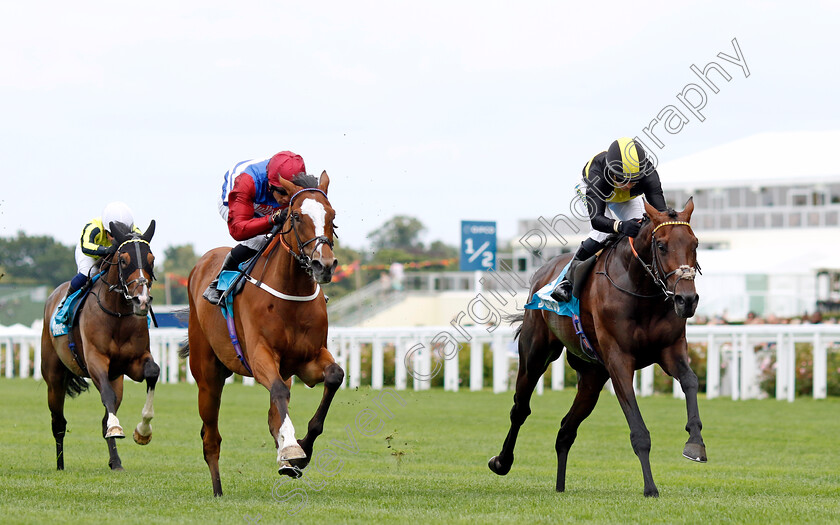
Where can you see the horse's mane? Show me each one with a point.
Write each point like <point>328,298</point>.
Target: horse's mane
<point>305,180</point>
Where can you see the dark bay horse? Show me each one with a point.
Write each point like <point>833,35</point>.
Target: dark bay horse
<point>633,309</point>
<point>281,325</point>
<point>112,340</point>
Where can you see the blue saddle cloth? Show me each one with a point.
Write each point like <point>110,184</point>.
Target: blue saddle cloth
<point>542,300</point>
<point>62,319</point>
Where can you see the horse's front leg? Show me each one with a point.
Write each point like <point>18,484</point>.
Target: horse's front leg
<point>280,425</point>
<point>621,369</point>
<point>145,369</point>
<point>327,370</point>
<point>110,393</point>
<point>675,363</point>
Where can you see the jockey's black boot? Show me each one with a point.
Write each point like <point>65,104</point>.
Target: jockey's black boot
<point>212,294</point>
<point>562,293</point>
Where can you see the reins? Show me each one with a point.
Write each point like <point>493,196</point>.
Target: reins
<point>654,270</point>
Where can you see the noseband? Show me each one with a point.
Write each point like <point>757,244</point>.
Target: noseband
<point>304,260</point>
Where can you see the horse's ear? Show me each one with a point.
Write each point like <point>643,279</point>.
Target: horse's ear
<point>290,187</point>
<point>689,209</point>
<point>324,181</point>
<point>118,231</point>
<point>150,231</point>
<point>650,210</point>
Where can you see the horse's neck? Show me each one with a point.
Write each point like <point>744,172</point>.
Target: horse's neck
<point>280,269</point>
<point>638,277</point>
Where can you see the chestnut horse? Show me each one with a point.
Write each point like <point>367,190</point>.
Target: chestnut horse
<point>112,340</point>
<point>633,310</point>
<point>281,326</point>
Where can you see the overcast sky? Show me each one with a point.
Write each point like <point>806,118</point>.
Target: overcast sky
<point>445,111</point>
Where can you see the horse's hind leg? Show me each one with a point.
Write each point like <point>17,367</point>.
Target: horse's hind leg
<point>333,376</point>
<point>55,375</point>
<point>534,359</point>
<point>151,372</point>
<point>592,379</point>
<point>675,363</point>
<point>210,378</point>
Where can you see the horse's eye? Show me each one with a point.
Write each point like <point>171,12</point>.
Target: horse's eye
<point>661,246</point>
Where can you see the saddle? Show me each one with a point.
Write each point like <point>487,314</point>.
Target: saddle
<point>583,269</point>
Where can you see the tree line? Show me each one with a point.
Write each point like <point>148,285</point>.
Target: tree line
<point>41,260</point>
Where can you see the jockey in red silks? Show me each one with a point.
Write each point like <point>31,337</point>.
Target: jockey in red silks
<point>252,202</point>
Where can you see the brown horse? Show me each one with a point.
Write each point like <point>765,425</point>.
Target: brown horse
<point>633,310</point>
<point>112,340</point>
<point>281,325</point>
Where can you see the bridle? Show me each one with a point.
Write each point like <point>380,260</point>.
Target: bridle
<point>655,269</point>
<point>302,258</point>
<point>127,288</point>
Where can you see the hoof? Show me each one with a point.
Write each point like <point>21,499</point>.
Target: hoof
<point>286,469</point>
<point>291,452</point>
<point>141,439</point>
<point>496,466</point>
<point>115,432</point>
<point>654,493</point>
<point>117,468</point>
<point>695,452</point>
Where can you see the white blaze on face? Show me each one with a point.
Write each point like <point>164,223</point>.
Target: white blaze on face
<point>316,211</point>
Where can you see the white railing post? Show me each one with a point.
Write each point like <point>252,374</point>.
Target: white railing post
<point>712,368</point>
<point>820,370</point>
<point>23,365</point>
<point>558,373</point>
<point>781,367</point>
<point>500,365</point>
<point>735,371</point>
<point>355,363</point>
<point>36,368</point>
<point>400,351</point>
<point>476,364</point>
<point>10,358</point>
<point>646,381</point>
<point>377,364</point>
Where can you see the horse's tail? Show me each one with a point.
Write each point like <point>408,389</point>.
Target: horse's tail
<point>182,314</point>
<point>184,352</point>
<point>75,385</point>
<point>513,319</point>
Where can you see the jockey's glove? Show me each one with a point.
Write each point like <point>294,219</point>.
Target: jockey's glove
<point>279,217</point>
<point>629,228</point>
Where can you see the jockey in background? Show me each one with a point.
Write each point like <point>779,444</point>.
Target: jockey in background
<point>96,242</point>
<point>613,184</point>
<point>252,202</point>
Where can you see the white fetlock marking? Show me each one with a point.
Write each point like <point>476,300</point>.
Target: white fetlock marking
<point>144,428</point>
<point>113,426</point>
<point>285,438</point>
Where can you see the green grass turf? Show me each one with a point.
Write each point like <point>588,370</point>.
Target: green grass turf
<point>769,462</point>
